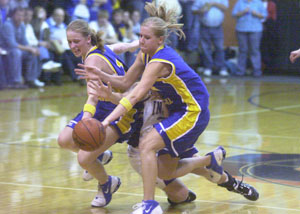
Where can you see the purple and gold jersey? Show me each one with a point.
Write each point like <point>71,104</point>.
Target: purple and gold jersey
<point>186,98</point>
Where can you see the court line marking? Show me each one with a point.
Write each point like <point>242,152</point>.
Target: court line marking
<point>140,195</point>
<point>206,131</point>
<point>254,111</point>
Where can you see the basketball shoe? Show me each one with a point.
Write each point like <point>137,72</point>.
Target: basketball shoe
<point>105,191</point>
<point>104,158</point>
<point>147,207</point>
<point>239,187</point>
<point>191,197</point>
<point>215,168</point>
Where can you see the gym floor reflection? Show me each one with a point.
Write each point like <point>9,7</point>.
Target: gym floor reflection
<point>256,120</point>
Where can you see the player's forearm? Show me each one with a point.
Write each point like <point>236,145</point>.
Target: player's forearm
<point>115,97</point>
<point>120,82</point>
<point>89,108</point>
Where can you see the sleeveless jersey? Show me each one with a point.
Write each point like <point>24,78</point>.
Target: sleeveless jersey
<point>183,89</point>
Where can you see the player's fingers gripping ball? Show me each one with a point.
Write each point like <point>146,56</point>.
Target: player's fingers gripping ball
<point>89,134</point>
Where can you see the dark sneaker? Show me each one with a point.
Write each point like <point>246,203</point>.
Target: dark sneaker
<point>240,187</point>
<point>191,197</point>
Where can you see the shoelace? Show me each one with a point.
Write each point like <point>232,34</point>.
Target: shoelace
<point>243,186</point>
<point>137,206</point>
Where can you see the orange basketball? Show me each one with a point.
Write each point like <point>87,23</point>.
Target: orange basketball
<point>89,134</point>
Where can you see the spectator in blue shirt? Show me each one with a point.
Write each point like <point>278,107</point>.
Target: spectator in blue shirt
<point>2,53</point>
<point>22,57</point>
<point>249,15</point>
<point>211,34</point>
<point>4,9</point>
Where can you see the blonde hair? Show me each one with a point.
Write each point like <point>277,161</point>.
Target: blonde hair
<point>163,21</point>
<point>82,27</point>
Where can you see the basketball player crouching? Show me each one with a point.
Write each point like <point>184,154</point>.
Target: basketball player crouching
<point>154,111</point>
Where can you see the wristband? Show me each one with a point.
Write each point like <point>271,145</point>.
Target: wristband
<point>126,103</point>
<point>89,108</point>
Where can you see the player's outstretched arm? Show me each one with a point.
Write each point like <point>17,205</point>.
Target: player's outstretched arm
<point>294,55</point>
<point>120,82</point>
<point>123,47</point>
<point>102,91</point>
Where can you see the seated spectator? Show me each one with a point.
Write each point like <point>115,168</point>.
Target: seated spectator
<point>3,52</point>
<point>4,9</point>
<point>17,3</point>
<point>109,35</point>
<point>59,45</point>
<point>129,37</point>
<point>81,11</point>
<point>136,5</point>
<point>22,57</point>
<point>136,22</point>
<point>42,33</point>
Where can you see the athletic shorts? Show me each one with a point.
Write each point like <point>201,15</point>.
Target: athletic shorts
<point>129,123</point>
<point>180,131</point>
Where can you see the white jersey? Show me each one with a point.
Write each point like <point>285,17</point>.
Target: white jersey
<point>154,111</point>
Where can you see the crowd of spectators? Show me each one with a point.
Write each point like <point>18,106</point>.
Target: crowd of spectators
<point>34,49</point>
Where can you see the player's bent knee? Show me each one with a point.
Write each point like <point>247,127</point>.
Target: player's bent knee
<point>83,160</point>
<point>165,176</point>
<point>61,141</point>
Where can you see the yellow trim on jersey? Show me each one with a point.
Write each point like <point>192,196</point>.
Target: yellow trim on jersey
<point>193,109</point>
<point>92,49</point>
<point>160,47</point>
<point>147,55</point>
<point>125,121</point>
<point>107,61</point>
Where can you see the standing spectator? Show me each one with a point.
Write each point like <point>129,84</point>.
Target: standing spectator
<point>212,35</point>
<point>19,52</point>
<point>174,5</point>
<point>190,27</point>
<point>249,15</point>
<point>109,35</point>
<point>269,42</point>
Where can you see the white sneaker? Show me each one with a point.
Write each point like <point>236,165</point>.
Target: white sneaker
<point>224,73</point>
<point>207,72</point>
<point>39,83</point>
<point>149,207</point>
<point>105,191</point>
<point>104,158</point>
<point>51,66</point>
<point>3,52</point>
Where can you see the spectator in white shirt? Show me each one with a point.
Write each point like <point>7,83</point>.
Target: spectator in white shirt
<point>109,35</point>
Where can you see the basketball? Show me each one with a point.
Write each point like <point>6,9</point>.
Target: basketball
<point>88,134</point>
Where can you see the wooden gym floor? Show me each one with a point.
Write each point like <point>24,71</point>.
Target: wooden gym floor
<point>256,120</point>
